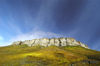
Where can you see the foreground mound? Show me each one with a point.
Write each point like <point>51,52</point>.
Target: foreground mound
<point>23,55</point>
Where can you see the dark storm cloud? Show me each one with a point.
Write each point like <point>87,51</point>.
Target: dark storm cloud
<point>67,11</point>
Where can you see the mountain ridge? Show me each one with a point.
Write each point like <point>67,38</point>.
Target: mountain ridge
<point>51,41</point>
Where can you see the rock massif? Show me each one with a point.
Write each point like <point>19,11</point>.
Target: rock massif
<point>51,41</point>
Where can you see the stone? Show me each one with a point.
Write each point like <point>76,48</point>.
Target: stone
<point>44,42</point>
<point>57,42</point>
<point>36,42</point>
<point>52,41</point>
<point>63,41</point>
<point>17,43</point>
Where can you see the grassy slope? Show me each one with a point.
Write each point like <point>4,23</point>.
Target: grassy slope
<point>49,56</point>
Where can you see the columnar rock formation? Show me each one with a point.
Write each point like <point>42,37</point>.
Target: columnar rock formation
<point>53,41</point>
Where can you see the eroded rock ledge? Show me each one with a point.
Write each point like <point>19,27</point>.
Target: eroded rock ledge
<point>52,41</point>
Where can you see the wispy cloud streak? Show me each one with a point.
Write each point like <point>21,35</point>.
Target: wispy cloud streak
<point>35,35</point>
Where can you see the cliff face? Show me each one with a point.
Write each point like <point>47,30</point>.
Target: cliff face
<point>53,41</point>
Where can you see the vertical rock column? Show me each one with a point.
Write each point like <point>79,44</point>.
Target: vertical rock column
<point>36,42</point>
<point>52,41</point>
<point>44,42</point>
<point>63,41</point>
<point>57,42</point>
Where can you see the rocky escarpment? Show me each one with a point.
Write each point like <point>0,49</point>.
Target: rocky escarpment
<point>52,41</point>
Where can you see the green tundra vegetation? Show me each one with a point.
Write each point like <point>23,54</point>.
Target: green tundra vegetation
<point>22,55</point>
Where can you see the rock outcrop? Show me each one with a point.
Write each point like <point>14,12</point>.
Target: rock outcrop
<point>53,41</point>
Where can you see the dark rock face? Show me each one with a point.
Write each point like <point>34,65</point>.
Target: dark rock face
<point>53,41</point>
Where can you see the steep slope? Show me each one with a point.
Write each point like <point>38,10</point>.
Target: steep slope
<point>23,55</point>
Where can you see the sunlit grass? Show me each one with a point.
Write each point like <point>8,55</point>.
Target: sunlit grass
<point>33,54</point>
<point>42,56</point>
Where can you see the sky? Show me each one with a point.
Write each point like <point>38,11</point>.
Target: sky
<point>29,19</point>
